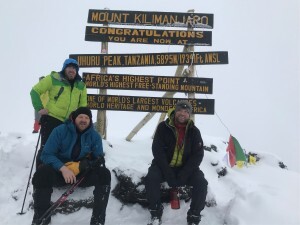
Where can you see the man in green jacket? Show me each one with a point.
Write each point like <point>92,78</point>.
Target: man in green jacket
<point>66,92</point>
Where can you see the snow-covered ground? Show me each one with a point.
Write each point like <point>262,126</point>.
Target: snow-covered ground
<point>260,194</point>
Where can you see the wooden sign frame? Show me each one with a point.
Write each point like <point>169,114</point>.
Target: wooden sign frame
<point>147,18</point>
<point>151,59</point>
<point>148,83</point>
<point>148,36</point>
<point>146,104</point>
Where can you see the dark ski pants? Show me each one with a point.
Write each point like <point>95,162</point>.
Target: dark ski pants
<point>48,123</point>
<point>45,178</point>
<point>155,177</point>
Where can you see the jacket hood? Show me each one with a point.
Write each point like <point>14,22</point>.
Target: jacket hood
<point>171,113</point>
<point>68,62</point>
<point>171,116</point>
<point>61,77</point>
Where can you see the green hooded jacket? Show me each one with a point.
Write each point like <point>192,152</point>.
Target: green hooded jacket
<point>62,98</point>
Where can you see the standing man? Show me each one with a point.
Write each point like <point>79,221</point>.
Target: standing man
<point>178,151</point>
<point>66,92</point>
<point>68,152</point>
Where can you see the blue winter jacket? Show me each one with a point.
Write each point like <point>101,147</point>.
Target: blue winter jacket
<point>58,148</point>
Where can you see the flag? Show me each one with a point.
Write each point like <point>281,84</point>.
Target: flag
<point>235,153</point>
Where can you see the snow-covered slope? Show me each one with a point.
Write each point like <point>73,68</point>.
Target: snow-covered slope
<point>260,194</point>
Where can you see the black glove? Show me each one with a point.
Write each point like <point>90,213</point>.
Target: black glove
<point>84,164</point>
<point>99,162</point>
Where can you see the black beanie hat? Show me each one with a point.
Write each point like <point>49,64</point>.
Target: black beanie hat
<point>184,104</point>
<point>82,110</point>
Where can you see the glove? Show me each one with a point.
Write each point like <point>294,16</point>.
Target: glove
<point>84,164</point>
<point>101,160</point>
<point>98,162</point>
<point>74,166</point>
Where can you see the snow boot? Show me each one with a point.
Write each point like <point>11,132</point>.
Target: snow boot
<point>156,215</point>
<point>101,196</point>
<point>193,218</point>
<point>36,220</point>
<point>41,198</point>
<point>155,221</point>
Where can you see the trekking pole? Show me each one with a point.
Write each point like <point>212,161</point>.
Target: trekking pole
<point>28,183</point>
<point>60,201</point>
<point>66,194</point>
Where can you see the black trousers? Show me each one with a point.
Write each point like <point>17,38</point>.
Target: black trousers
<point>48,123</point>
<point>155,177</point>
<point>45,178</point>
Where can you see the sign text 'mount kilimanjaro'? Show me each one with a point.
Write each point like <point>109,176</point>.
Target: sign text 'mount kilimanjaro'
<point>171,19</point>
<point>148,36</point>
<point>148,83</point>
<point>146,104</point>
<point>150,59</point>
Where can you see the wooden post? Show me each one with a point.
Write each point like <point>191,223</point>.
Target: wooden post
<point>149,115</point>
<point>101,114</point>
<point>191,68</point>
<point>140,125</point>
<point>179,72</point>
<point>191,73</point>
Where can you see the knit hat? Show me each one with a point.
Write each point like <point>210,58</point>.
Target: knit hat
<point>72,62</point>
<point>82,110</point>
<point>183,104</point>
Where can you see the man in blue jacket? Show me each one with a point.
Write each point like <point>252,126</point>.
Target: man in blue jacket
<point>68,152</point>
<point>178,151</point>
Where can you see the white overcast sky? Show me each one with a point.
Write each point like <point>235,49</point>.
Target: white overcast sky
<point>256,94</point>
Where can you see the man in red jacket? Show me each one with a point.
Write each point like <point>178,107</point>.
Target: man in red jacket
<point>178,151</point>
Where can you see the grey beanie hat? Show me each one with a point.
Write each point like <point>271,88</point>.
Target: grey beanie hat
<point>184,104</point>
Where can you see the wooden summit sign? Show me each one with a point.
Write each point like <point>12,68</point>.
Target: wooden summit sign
<point>150,59</point>
<point>148,83</point>
<point>171,19</point>
<point>148,36</point>
<point>146,104</point>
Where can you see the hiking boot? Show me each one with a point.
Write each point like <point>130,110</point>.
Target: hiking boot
<point>41,198</point>
<point>156,215</point>
<point>36,221</point>
<point>193,218</point>
<point>97,220</point>
<point>101,196</point>
<point>154,221</point>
